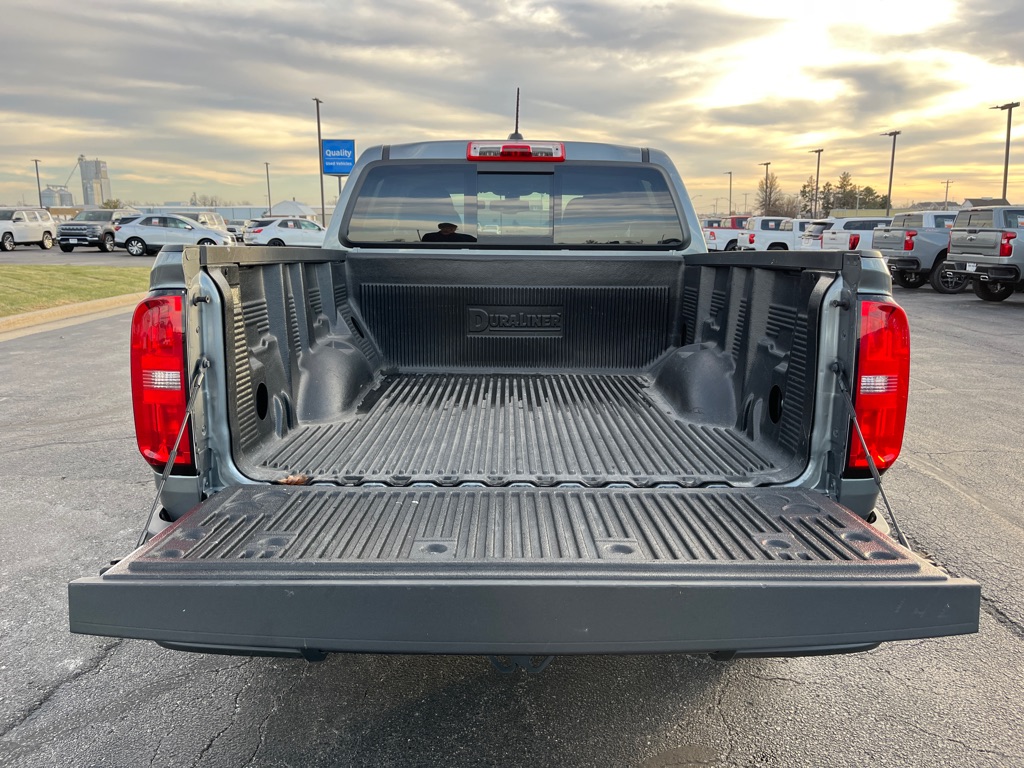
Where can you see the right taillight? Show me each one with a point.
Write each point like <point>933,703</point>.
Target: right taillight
<point>882,385</point>
<point>908,239</point>
<point>750,238</point>
<point>1006,243</point>
<point>159,381</point>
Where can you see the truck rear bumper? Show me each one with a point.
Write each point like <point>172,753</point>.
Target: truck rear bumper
<point>522,571</point>
<point>996,273</point>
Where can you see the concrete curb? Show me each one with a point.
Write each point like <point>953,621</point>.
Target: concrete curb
<point>68,311</point>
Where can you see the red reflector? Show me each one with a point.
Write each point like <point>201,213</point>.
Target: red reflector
<point>882,384</point>
<point>854,241</point>
<point>520,151</point>
<point>159,380</point>
<point>1005,246</point>
<point>908,239</point>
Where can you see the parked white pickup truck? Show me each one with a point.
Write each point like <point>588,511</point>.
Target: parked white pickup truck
<point>768,235</point>
<point>851,234</point>
<point>725,236</point>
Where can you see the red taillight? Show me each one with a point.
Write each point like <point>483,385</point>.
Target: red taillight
<point>751,238</point>
<point>257,231</point>
<point>528,151</point>
<point>908,239</point>
<point>1005,244</point>
<point>711,234</point>
<point>117,227</point>
<point>159,381</point>
<point>882,385</point>
<point>854,241</point>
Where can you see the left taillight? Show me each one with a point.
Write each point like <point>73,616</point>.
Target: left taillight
<point>160,381</point>
<point>117,227</point>
<point>882,386</point>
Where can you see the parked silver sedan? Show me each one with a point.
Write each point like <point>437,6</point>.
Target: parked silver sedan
<point>148,234</point>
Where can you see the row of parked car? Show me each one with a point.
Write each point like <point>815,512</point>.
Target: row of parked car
<point>142,234</point>
<point>981,246</point>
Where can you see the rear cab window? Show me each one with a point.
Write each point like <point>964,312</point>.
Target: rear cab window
<point>973,219</point>
<point>449,203</point>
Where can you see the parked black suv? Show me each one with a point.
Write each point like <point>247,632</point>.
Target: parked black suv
<point>91,228</point>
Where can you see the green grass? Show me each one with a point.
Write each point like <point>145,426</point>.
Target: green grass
<point>24,288</point>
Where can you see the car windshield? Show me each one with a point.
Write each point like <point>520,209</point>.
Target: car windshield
<point>582,204</point>
<point>94,216</point>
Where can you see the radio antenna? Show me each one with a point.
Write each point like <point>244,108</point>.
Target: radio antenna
<point>516,135</point>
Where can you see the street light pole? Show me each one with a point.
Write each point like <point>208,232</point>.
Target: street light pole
<point>320,162</point>
<point>1008,107</point>
<point>765,211</point>
<point>270,201</point>
<point>745,201</point>
<point>892,167</point>
<point>39,187</point>
<point>730,190</point>
<point>817,177</point>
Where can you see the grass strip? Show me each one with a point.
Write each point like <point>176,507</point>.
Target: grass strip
<point>26,288</point>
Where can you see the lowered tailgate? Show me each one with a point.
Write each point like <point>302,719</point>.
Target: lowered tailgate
<point>521,570</point>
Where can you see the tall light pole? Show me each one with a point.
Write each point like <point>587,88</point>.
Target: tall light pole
<point>817,177</point>
<point>765,211</point>
<point>39,187</point>
<point>892,166</point>
<point>730,190</point>
<point>320,162</point>
<point>270,201</point>
<point>945,202</point>
<point>745,201</point>
<point>1008,107</point>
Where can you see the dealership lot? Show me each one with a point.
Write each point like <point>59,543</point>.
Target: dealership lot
<point>75,492</point>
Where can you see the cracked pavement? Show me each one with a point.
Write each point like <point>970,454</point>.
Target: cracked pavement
<point>75,493</point>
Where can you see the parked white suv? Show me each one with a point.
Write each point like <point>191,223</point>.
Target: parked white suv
<point>286,232</point>
<point>149,233</point>
<point>26,226</point>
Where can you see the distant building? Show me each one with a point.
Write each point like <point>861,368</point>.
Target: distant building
<point>95,182</point>
<point>57,197</point>
<point>971,202</point>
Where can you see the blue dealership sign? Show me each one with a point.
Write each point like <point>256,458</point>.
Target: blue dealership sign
<point>339,155</point>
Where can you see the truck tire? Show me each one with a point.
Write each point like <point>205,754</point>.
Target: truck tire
<point>276,242</point>
<point>909,280</point>
<point>987,291</point>
<point>67,248</point>
<point>47,242</point>
<point>947,284</point>
<point>777,247</point>
<point>7,242</point>
<point>135,246</point>
<point>107,246</point>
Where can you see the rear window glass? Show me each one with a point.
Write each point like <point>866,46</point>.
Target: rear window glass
<point>770,224</point>
<point>908,220</point>
<point>446,203</point>
<point>1014,219</point>
<point>973,219</point>
<point>865,224</point>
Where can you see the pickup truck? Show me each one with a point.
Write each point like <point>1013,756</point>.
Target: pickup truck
<point>514,408</point>
<point>986,246</point>
<point>851,234</point>
<point>771,233</point>
<point>914,247</point>
<point>725,235</point>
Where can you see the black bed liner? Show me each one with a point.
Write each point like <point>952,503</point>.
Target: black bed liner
<point>497,429</point>
<point>522,570</point>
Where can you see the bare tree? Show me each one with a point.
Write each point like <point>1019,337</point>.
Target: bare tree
<point>770,198</point>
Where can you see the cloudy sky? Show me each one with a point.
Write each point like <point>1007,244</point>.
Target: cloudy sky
<point>183,96</point>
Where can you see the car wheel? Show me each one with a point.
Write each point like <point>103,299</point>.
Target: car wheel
<point>276,242</point>
<point>206,241</point>
<point>909,279</point>
<point>731,246</point>
<point>47,242</point>
<point>7,242</point>
<point>946,283</point>
<point>987,291</point>
<point>135,246</point>
<point>67,248</point>
<point>107,246</point>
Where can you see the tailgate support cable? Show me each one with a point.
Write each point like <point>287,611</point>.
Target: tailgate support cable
<point>837,369</point>
<point>197,381</point>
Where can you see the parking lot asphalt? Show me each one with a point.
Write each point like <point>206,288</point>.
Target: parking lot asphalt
<point>74,493</point>
<point>80,257</point>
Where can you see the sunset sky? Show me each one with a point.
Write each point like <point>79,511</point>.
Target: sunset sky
<point>181,96</point>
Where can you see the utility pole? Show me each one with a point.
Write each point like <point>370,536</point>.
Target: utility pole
<point>817,177</point>
<point>39,187</point>
<point>730,190</point>
<point>320,162</point>
<point>745,201</point>
<point>1008,107</point>
<point>945,202</point>
<point>765,211</point>
<point>270,201</point>
<point>892,166</point>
